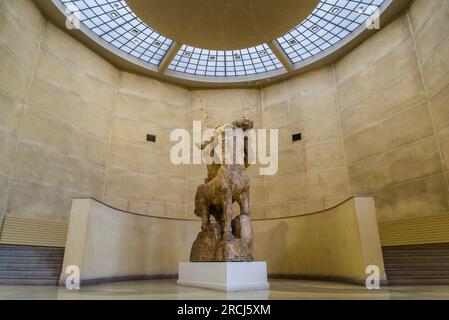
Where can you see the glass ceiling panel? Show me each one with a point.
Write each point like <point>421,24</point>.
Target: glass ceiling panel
<point>330,22</point>
<point>242,62</point>
<point>114,22</point>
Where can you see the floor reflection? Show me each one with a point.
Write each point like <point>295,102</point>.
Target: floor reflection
<point>279,289</point>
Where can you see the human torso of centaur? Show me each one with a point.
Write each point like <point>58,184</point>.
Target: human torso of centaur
<point>214,168</point>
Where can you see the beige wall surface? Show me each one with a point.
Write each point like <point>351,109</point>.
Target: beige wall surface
<point>375,123</point>
<point>139,176</point>
<point>73,126</point>
<point>339,243</point>
<point>392,97</point>
<point>312,172</point>
<point>104,242</point>
<point>56,106</point>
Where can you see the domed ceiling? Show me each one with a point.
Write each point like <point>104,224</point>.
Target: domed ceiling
<point>223,24</point>
<point>228,39</point>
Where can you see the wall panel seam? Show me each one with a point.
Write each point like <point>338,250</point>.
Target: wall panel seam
<point>74,65</point>
<point>439,90</point>
<point>403,183</point>
<point>18,19</point>
<point>426,21</point>
<point>435,131</point>
<point>79,128</point>
<point>403,43</point>
<point>111,128</point>
<point>187,202</point>
<point>403,147</point>
<point>14,56</point>
<point>435,51</point>
<point>43,26</point>
<point>371,125</point>
<point>340,128</point>
<point>387,84</point>
<point>74,93</point>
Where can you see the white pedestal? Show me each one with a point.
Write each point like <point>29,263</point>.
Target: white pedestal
<point>224,276</point>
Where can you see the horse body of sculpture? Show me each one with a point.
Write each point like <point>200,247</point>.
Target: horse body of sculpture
<point>227,239</point>
<point>217,196</point>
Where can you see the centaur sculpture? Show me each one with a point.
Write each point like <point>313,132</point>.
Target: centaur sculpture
<point>227,239</point>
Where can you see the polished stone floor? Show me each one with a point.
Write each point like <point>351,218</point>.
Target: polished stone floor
<point>167,289</point>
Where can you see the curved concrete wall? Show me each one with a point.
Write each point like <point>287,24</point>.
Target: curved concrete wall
<point>56,101</point>
<point>335,244</point>
<point>73,126</point>
<point>394,121</point>
<point>312,173</point>
<point>375,123</point>
<point>153,184</point>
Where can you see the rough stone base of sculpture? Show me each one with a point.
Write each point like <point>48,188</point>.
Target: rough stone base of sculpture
<point>210,247</point>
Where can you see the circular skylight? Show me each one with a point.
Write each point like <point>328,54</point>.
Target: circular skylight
<point>242,62</point>
<point>115,23</point>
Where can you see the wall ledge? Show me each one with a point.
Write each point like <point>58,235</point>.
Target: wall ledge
<point>196,220</point>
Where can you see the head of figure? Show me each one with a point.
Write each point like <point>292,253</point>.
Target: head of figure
<point>244,124</point>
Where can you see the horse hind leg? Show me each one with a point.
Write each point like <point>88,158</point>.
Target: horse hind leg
<point>227,214</point>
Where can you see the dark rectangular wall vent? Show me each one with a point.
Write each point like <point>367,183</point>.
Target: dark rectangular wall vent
<point>296,137</point>
<point>151,138</point>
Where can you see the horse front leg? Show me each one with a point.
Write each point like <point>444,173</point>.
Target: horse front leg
<point>205,217</point>
<point>227,215</point>
<point>245,203</point>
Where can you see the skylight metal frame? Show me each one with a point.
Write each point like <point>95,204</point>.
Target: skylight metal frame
<point>97,16</point>
<point>255,60</point>
<point>333,27</point>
